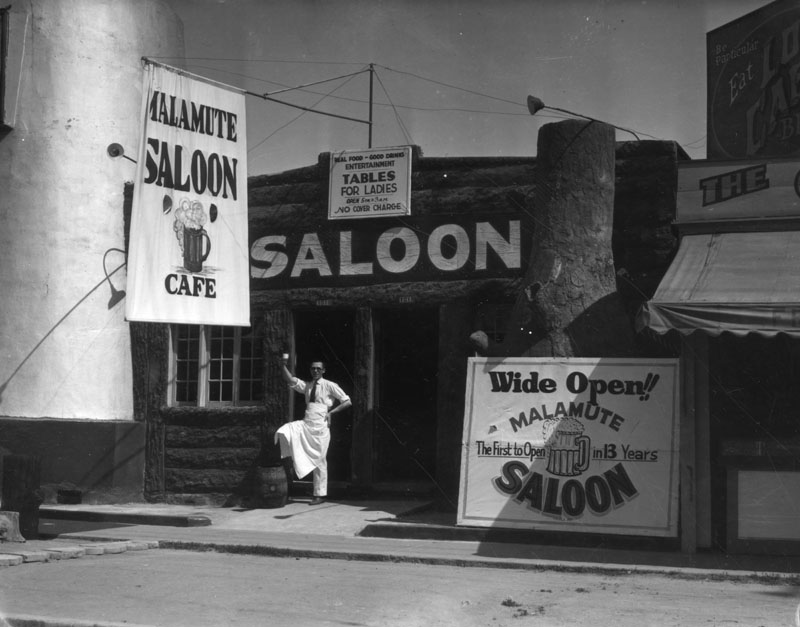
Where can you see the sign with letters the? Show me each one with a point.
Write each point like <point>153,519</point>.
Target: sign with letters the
<point>188,258</point>
<point>584,445</point>
<point>713,191</point>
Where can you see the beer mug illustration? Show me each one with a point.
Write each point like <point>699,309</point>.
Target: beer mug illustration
<point>196,246</point>
<point>568,450</point>
<point>190,217</point>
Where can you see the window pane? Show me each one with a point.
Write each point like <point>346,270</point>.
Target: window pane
<point>233,365</point>
<point>226,391</point>
<point>214,391</point>
<point>187,355</point>
<point>251,355</point>
<point>244,369</point>
<point>221,360</point>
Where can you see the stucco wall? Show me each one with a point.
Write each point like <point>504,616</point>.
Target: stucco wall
<point>103,460</point>
<point>76,88</point>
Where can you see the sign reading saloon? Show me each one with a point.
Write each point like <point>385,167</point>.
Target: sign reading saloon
<point>381,251</point>
<point>370,183</point>
<point>586,445</point>
<point>187,261</point>
<point>753,99</point>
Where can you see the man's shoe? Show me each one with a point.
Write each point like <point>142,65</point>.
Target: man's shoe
<point>317,500</point>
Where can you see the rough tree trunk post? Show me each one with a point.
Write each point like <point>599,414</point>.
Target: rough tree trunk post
<point>568,305</point>
<point>270,481</point>
<point>21,493</point>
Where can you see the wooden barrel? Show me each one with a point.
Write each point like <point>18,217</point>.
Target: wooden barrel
<point>270,487</point>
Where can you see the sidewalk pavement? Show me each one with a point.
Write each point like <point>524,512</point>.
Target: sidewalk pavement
<point>400,530</point>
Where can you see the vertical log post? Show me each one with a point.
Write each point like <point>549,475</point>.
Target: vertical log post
<point>21,493</point>
<point>270,482</point>
<point>363,399</point>
<point>568,305</point>
<point>277,338</point>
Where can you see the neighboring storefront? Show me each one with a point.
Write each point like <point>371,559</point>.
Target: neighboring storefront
<point>733,291</point>
<point>389,303</point>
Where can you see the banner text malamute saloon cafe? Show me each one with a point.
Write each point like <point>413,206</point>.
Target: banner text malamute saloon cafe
<point>188,258</point>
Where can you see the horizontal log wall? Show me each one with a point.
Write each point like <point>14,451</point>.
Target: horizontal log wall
<point>209,453</point>
<point>644,241</point>
<point>197,454</point>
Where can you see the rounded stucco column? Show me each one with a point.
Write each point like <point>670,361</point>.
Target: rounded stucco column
<point>74,87</point>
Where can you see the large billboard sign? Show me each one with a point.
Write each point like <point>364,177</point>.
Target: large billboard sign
<point>752,68</point>
<point>370,183</point>
<point>188,258</point>
<point>583,445</point>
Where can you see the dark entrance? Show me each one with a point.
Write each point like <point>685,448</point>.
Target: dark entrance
<point>404,443</point>
<point>327,335</point>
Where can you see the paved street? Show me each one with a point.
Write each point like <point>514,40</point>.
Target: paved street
<point>176,588</point>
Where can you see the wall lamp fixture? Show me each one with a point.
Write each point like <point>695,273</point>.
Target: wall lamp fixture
<point>116,295</point>
<point>535,105</point>
<point>116,150</point>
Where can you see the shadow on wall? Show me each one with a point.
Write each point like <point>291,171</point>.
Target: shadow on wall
<point>116,297</point>
<point>104,461</point>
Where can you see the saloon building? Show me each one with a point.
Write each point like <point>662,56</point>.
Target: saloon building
<point>389,303</point>
<point>119,411</point>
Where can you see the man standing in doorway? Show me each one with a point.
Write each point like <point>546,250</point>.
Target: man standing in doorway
<point>306,441</point>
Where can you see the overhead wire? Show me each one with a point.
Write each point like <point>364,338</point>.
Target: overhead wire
<point>306,110</point>
<point>400,122</point>
<point>391,104</point>
<point>389,69</point>
<point>395,108</point>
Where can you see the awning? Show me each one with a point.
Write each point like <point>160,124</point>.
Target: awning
<point>736,282</point>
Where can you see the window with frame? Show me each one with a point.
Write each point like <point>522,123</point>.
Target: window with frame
<point>216,365</point>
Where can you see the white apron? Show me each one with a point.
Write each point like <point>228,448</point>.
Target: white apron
<point>306,440</point>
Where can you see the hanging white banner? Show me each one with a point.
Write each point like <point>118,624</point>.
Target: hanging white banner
<point>583,445</point>
<point>188,256</point>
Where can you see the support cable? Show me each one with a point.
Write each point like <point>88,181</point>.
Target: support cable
<point>400,123</point>
<point>252,93</point>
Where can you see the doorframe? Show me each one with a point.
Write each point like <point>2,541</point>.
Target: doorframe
<point>364,381</point>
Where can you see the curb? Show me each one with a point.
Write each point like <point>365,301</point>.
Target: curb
<point>398,532</point>
<point>26,620</point>
<point>165,520</point>
<point>537,565</point>
<point>44,553</point>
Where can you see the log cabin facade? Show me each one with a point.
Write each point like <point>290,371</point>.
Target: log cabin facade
<point>389,303</point>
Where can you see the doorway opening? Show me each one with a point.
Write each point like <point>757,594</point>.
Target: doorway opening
<point>328,335</point>
<point>404,436</point>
